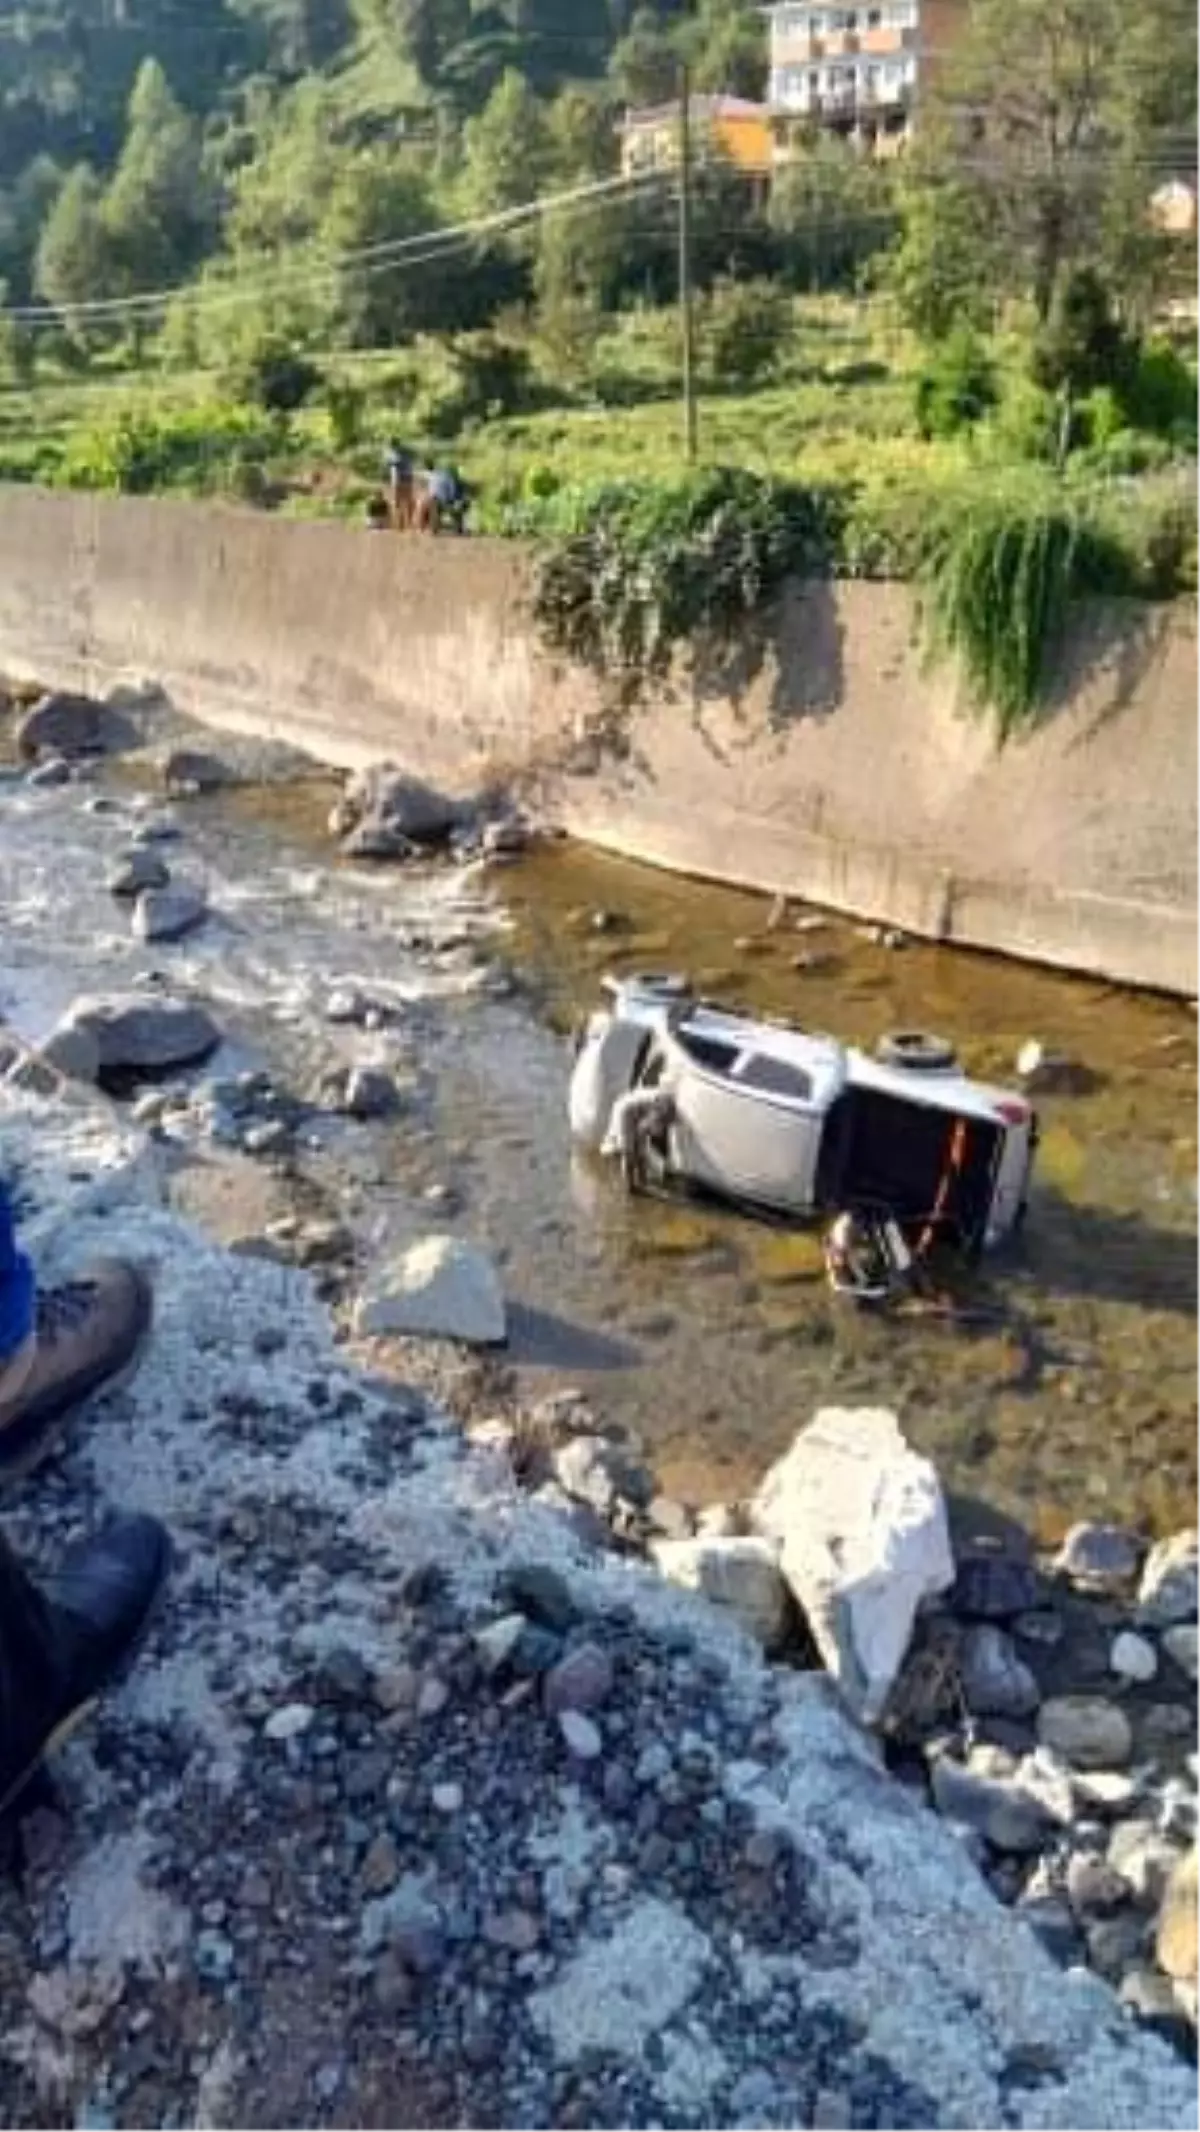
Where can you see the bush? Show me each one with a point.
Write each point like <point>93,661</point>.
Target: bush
<point>957,386</point>
<point>203,451</point>
<point>1082,344</point>
<point>1161,394</point>
<point>744,327</point>
<point>276,376</point>
<point>344,405</point>
<point>999,574</point>
<point>632,571</point>
<point>1027,424</point>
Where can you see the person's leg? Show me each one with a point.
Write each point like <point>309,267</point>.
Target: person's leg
<point>59,1346</point>
<point>63,1641</point>
<point>16,1307</point>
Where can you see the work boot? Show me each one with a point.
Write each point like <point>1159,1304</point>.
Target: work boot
<point>88,1330</point>
<point>62,1642</point>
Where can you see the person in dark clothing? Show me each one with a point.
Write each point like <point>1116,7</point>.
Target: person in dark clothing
<point>62,1641</point>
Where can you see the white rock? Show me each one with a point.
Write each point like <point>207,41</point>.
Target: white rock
<point>742,1575</point>
<point>440,1288</point>
<point>138,1030</point>
<point>860,1521</point>
<point>582,1737</point>
<point>447,1798</point>
<point>289,1722</point>
<point>1133,1657</point>
<point>1143,1857</point>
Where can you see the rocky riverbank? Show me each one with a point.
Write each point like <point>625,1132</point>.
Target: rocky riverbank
<point>436,1799</point>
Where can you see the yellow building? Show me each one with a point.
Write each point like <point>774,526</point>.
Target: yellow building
<point>730,125</point>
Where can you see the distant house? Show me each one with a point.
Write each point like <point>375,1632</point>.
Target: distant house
<point>858,72</point>
<point>1173,208</point>
<point>736,128</point>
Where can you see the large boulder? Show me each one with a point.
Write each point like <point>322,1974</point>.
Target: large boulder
<point>439,1288</point>
<point>385,797</point>
<point>137,1032</point>
<point>860,1522</point>
<point>741,1575</point>
<point>65,724</point>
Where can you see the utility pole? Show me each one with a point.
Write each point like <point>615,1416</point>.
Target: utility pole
<point>686,312</point>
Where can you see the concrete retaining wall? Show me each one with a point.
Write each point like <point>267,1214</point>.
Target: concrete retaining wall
<point>823,761</point>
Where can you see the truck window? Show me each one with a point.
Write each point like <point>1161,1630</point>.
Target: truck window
<point>776,1077</point>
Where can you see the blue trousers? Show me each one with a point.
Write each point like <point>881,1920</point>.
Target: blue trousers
<point>16,1286</point>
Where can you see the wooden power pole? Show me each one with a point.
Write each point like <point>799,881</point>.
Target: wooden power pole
<point>686,309</point>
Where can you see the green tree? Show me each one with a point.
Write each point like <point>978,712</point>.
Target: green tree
<point>155,211</point>
<point>376,200</point>
<point>831,210</point>
<point>73,265</point>
<point>1041,99</point>
<point>644,68</point>
<point>507,149</point>
<point>727,48</point>
<point>279,197</point>
<point>942,271</point>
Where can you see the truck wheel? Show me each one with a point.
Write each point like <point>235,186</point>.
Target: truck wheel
<point>916,1050</point>
<point>661,984</point>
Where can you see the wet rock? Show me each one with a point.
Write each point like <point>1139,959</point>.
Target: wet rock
<point>598,1473</point>
<point>69,725</point>
<point>1143,1858</point>
<point>1052,1921</point>
<point>139,869</point>
<point>1167,1592</point>
<point>996,1682</point>
<point>1040,1626</point>
<point>1086,1730</point>
<point>1099,1558</point>
<point>992,1585</point>
<point>1180,1646</point>
<point>377,840</point>
<point>272,1137</point>
<point>1133,1657</point>
<point>861,1524</point>
<point>440,1288</point>
<point>997,1807</point>
<point>583,1680</point>
<point>346,1005</point>
<point>135,1032</point>
<point>1046,1072</point>
<point>541,1592</point>
<point>742,1575</point>
<point>388,797</point>
<point>1175,1933</point>
<point>369,1093</point>
<point>584,1739</point>
<point>56,770</point>
<point>1115,1944</point>
<point>191,770</point>
<point>168,913</point>
<point>75,1053</point>
<point>1094,1888</point>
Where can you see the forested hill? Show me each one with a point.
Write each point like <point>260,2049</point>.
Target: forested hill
<point>202,88</point>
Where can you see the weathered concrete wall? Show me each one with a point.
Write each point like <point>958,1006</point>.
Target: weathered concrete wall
<point>824,762</point>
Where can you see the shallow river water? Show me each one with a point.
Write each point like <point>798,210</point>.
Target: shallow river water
<point>712,1337</point>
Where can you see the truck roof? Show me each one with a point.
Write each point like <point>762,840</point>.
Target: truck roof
<point>829,1065</point>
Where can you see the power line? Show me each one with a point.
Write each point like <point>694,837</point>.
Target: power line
<point>387,252</point>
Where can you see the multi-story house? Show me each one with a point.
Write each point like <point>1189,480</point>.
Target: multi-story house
<point>857,71</point>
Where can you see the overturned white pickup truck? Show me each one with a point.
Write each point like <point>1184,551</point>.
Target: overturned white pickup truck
<point>799,1125</point>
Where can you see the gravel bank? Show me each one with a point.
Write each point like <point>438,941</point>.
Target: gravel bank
<point>330,1858</point>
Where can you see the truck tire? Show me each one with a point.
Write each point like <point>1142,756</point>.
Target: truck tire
<point>662,984</point>
<point>916,1050</point>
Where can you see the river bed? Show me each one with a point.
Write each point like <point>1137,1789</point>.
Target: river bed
<point>711,1337</point>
